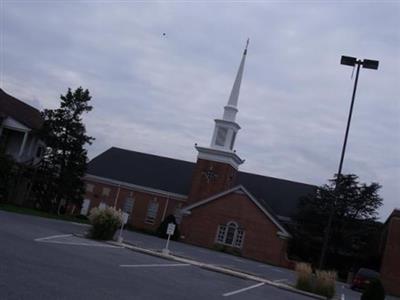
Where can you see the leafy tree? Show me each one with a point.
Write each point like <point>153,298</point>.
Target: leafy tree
<point>59,181</point>
<point>354,236</point>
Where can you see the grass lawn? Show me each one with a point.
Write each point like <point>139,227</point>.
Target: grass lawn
<point>39,213</point>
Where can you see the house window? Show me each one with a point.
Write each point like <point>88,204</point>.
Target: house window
<point>105,192</point>
<point>230,234</point>
<point>152,210</point>
<point>128,205</point>
<point>89,187</point>
<point>102,205</point>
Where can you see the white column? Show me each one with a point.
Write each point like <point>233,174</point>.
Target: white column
<point>21,149</point>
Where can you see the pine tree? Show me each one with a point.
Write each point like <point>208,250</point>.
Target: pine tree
<point>64,164</point>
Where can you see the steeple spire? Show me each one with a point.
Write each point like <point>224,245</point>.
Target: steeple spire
<point>223,140</point>
<point>231,108</point>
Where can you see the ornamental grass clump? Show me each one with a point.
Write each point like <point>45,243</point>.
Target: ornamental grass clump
<point>304,277</point>
<point>325,283</point>
<point>105,222</point>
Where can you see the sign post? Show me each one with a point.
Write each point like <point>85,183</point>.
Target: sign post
<point>125,217</point>
<point>170,231</point>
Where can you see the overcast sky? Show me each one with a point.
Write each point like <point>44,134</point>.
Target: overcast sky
<point>160,93</point>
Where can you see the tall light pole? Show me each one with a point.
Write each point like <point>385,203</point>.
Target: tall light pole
<point>348,61</point>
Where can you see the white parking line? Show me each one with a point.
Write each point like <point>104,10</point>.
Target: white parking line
<point>52,237</point>
<point>281,280</point>
<point>81,244</point>
<point>50,240</point>
<point>154,265</point>
<point>243,290</point>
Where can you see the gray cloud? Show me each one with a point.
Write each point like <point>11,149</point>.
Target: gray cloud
<point>159,94</point>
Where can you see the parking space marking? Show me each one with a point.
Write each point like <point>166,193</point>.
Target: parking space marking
<point>154,265</point>
<point>281,280</point>
<point>51,240</point>
<point>81,244</point>
<point>52,237</point>
<point>243,290</point>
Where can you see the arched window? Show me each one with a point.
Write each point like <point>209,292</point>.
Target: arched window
<point>230,234</point>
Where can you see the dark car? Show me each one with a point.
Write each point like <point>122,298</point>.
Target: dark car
<point>363,278</point>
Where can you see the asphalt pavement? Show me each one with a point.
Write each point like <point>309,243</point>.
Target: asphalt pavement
<point>42,259</point>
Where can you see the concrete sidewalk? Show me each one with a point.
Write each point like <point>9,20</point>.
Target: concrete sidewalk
<point>277,276</point>
<point>212,260</point>
<point>214,268</point>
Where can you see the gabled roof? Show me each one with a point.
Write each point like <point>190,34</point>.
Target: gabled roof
<point>20,111</point>
<point>143,169</point>
<point>283,232</point>
<point>175,176</point>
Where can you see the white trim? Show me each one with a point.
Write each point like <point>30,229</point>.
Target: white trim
<point>13,124</point>
<point>283,233</point>
<point>223,155</point>
<point>225,233</point>
<point>135,187</point>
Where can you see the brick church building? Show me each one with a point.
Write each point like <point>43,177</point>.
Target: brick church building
<point>390,267</point>
<point>215,205</point>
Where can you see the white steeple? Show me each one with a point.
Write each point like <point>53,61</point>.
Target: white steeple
<point>225,130</point>
<point>231,107</point>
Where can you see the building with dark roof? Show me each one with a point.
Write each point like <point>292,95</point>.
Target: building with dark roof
<point>214,204</point>
<point>390,267</point>
<point>19,123</point>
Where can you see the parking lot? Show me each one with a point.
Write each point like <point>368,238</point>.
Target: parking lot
<point>41,259</point>
<point>44,259</point>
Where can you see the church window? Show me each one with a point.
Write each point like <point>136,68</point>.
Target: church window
<point>178,213</point>
<point>221,233</point>
<point>230,234</point>
<point>221,136</point>
<point>89,187</point>
<point>106,191</point>
<point>152,210</point>
<point>128,205</point>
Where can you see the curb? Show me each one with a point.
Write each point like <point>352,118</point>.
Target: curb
<point>239,274</point>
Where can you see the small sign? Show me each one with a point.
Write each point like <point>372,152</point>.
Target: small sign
<point>171,229</point>
<point>125,217</point>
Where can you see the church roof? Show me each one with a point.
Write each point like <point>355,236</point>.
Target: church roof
<point>174,176</point>
<point>20,111</point>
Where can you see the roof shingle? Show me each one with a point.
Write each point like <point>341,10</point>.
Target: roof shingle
<point>173,175</point>
<point>20,111</point>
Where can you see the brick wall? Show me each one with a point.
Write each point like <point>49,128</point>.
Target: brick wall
<point>166,205</point>
<point>260,241</point>
<point>223,179</point>
<point>390,268</point>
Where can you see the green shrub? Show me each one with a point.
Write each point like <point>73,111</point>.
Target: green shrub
<point>374,291</point>
<point>325,283</point>
<point>105,223</point>
<point>162,229</point>
<point>304,277</point>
